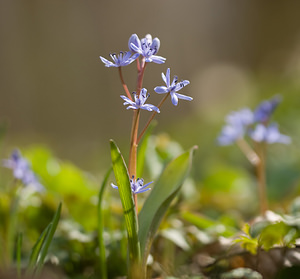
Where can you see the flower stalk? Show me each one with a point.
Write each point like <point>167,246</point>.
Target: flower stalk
<point>261,178</point>
<point>124,84</point>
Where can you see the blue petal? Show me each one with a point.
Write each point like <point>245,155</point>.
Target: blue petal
<point>142,191</point>
<point>147,185</point>
<point>158,59</point>
<point>181,84</point>
<point>183,97</point>
<point>107,62</point>
<point>155,45</point>
<point>134,39</point>
<point>134,48</point>
<point>167,78</point>
<point>265,109</point>
<point>229,134</point>
<point>114,186</point>
<point>174,99</point>
<point>259,133</point>
<point>161,89</point>
<point>273,135</point>
<point>164,78</point>
<point>150,107</point>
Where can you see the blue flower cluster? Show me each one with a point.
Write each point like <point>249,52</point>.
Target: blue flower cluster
<point>22,170</point>
<point>147,48</point>
<point>255,124</point>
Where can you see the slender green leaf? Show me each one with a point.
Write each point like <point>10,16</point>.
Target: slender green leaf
<point>48,239</point>
<point>200,221</point>
<point>37,248</point>
<point>122,178</point>
<point>19,248</point>
<point>102,257</point>
<point>160,198</point>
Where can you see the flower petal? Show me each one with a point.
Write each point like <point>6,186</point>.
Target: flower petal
<point>181,84</point>
<point>157,59</point>
<point>134,48</point>
<point>114,186</point>
<point>161,89</point>
<point>134,39</point>
<point>155,45</point>
<point>174,99</point>
<point>107,62</point>
<point>184,97</point>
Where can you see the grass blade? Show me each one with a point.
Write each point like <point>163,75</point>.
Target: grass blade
<point>19,249</point>
<point>36,249</point>
<point>48,239</point>
<point>102,256</point>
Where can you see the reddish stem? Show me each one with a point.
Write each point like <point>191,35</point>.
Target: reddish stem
<point>124,84</point>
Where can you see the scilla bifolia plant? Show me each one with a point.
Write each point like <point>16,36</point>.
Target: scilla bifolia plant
<point>256,125</point>
<point>141,230</point>
<point>24,177</point>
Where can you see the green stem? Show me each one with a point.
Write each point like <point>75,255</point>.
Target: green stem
<point>261,179</point>
<point>19,248</point>
<point>102,256</point>
<point>257,159</point>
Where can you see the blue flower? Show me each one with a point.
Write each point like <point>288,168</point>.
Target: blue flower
<point>137,186</point>
<point>265,109</point>
<point>237,124</point>
<point>146,47</point>
<point>268,134</point>
<point>119,60</point>
<point>139,101</point>
<point>172,88</point>
<point>22,171</point>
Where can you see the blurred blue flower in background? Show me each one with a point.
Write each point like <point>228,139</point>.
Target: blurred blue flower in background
<point>265,109</point>
<point>268,134</point>
<point>146,47</point>
<point>22,170</point>
<point>119,60</point>
<point>139,101</point>
<point>240,123</point>
<point>237,124</point>
<point>172,88</point>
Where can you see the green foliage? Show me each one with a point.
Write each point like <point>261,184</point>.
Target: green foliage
<point>63,180</point>
<point>212,227</point>
<point>129,212</point>
<point>248,242</point>
<point>48,238</point>
<point>160,198</point>
<point>268,234</point>
<point>102,257</point>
